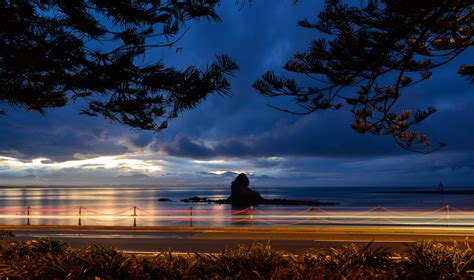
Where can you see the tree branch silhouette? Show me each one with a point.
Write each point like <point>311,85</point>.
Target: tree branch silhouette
<point>53,52</point>
<point>373,54</point>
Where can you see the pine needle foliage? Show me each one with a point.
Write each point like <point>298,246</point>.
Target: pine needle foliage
<point>369,53</point>
<point>105,53</point>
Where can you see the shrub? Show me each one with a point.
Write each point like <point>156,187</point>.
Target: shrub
<point>50,259</point>
<point>350,262</point>
<point>432,260</point>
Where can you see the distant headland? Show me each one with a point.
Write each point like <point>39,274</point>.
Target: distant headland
<point>440,190</point>
<point>463,192</point>
<point>242,195</point>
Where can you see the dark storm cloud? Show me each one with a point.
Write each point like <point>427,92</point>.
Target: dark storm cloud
<point>58,136</point>
<point>142,139</point>
<point>185,146</point>
<point>59,143</point>
<point>326,136</point>
<point>311,136</point>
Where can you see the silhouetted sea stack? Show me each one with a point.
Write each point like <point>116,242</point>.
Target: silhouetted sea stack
<point>241,194</point>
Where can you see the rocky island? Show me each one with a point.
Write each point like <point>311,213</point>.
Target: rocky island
<point>241,194</point>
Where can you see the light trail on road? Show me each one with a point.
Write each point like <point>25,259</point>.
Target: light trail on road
<point>249,217</point>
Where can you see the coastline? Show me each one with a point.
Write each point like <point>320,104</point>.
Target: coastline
<point>263,201</point>
<point>460,192</point>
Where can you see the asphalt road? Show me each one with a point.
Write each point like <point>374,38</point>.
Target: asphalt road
<point>214,240</point>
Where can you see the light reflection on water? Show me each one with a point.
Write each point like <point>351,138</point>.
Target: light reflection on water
<point>100,205</point>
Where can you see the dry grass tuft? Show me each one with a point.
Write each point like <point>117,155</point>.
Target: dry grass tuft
<point>50,259</point>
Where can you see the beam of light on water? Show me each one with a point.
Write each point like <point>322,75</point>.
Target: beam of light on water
<point>310,217</point>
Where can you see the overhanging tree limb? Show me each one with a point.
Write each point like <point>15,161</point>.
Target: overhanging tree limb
<point>376,52</point>
<point>57,50</point>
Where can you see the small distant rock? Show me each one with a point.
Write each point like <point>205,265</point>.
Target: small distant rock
<point>164,200</point>
<point>195,199</point>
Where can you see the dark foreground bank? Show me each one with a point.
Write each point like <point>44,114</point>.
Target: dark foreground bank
<point>50,259</point>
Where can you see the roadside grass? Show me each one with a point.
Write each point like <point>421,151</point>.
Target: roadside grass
<point>51,259</point>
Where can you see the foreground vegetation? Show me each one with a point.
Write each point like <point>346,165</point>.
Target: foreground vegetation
<point>50,259</point>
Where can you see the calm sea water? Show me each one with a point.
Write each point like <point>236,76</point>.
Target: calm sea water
<point>97,202</point>
<point>147,196</point>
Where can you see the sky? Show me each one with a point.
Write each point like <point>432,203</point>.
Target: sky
<point>227,135</point>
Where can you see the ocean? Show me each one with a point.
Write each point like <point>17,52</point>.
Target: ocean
<point>114,205</point>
